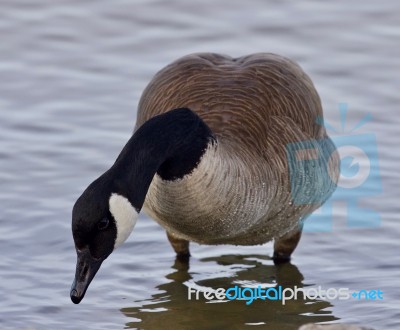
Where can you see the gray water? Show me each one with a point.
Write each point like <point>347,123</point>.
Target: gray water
<point>71,76</point>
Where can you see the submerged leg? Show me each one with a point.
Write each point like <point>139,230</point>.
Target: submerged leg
<point>181,246</point>
<point>285,245</point>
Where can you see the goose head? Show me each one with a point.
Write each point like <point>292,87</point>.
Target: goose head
<point>101,221</point>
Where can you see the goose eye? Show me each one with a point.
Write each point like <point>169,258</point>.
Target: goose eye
<point>103,224</point>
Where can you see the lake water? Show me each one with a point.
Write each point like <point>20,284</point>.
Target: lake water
<point>71,76</point>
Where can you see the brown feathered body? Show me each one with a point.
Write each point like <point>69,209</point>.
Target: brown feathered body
<point>242,190</point>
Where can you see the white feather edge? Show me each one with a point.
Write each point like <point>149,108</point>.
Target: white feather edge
<point>125,217</point>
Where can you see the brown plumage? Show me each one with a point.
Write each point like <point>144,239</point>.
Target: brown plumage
<point>225,91</point>
<point>240,193</point>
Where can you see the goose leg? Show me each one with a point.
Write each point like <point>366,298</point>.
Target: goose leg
<point>181,246</point>
<point>285,245</point>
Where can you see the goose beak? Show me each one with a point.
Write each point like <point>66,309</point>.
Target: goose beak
<point>86,269</point>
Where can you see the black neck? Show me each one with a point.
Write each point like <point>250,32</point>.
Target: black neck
<point>170,144</point>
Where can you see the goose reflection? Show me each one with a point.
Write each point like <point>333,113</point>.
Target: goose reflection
<point>171,309</point>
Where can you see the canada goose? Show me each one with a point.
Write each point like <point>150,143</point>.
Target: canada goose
<point>209,161</point>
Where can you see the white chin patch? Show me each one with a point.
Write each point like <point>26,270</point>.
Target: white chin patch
<point>125,217</point>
